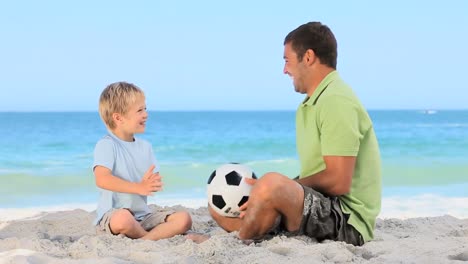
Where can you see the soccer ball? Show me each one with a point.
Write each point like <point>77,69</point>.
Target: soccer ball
<point>227,189</point>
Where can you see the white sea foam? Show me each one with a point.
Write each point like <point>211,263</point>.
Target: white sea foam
<point>8,214</point>
<point>424,206</point>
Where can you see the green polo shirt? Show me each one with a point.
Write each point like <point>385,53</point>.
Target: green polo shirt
<point>333,122</point>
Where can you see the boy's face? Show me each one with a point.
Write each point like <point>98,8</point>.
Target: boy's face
<point>134,121</point>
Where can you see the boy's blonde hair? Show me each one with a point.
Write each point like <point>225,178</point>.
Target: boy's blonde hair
<point>117,98</point>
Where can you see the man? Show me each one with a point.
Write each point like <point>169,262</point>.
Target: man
<point>338,193</point>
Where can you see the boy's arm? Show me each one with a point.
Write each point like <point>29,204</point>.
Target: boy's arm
<point>150,183</point>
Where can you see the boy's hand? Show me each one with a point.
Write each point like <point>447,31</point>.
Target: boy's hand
<point>150,183</point>
<point>243,208</point>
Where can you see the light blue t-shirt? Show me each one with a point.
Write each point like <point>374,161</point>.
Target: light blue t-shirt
<point>128,161</point>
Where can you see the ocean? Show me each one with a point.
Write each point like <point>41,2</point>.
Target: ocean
<point>46,157</point>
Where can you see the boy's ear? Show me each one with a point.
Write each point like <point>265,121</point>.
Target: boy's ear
<point>116,117</point>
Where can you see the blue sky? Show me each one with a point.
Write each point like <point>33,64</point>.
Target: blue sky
<point>227,55</point>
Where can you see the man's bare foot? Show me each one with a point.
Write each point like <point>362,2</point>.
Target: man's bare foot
<point>197,238</point>
<point>247,241</point>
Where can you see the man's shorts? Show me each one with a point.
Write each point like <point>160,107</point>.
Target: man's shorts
<point>322,219</point>
<point>148,222</point>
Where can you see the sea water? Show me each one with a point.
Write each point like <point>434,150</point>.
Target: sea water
<point>46,157</point>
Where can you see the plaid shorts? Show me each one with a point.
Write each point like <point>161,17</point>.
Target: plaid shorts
<point>148,222</point>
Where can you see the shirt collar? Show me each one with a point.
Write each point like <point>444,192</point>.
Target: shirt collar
<point>312,100</point>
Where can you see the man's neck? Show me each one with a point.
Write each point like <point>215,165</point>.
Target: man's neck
<point>319,74</point>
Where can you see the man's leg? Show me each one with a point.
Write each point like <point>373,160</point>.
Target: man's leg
<point>229,224</point>
<point>272,196</point>
<point>276,195</point>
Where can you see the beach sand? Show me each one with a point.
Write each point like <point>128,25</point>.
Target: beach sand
<point>69,237</point>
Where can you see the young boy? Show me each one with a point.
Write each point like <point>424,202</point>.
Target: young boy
<point>126,171</point>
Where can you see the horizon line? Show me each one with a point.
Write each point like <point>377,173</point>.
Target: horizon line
<point>231,110</point>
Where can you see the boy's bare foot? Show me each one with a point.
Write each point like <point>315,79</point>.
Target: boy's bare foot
<point>197,238</point>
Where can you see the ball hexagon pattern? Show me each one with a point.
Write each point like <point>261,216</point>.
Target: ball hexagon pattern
<point>227,189</point>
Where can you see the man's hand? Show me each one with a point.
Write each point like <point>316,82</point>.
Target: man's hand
<point>243,208</point>
<point>150,183</point>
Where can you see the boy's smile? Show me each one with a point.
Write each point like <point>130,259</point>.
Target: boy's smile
<point>133,122</point>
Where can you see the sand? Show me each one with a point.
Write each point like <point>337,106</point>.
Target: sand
<point>68,237</point>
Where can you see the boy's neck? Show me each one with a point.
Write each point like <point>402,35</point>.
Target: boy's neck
<point>123,136</point>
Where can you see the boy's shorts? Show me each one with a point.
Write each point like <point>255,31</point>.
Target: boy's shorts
<point>322,219</point>
<point>149,221</point>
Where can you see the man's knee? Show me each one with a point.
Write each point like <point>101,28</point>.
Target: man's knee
<point>268,186</point>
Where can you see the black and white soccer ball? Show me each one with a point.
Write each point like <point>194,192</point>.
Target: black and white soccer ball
<point>227,189</point>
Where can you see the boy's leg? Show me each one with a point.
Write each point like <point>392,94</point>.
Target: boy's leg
<point>123,222</point>
<point>166,225</point>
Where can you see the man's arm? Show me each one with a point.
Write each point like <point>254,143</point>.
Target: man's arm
<point>336,179</point>
<point>151,182</point>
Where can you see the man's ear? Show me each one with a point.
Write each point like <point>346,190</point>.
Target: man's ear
<point>309,57</point>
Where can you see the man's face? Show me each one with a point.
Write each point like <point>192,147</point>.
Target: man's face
<point>294,68</point>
